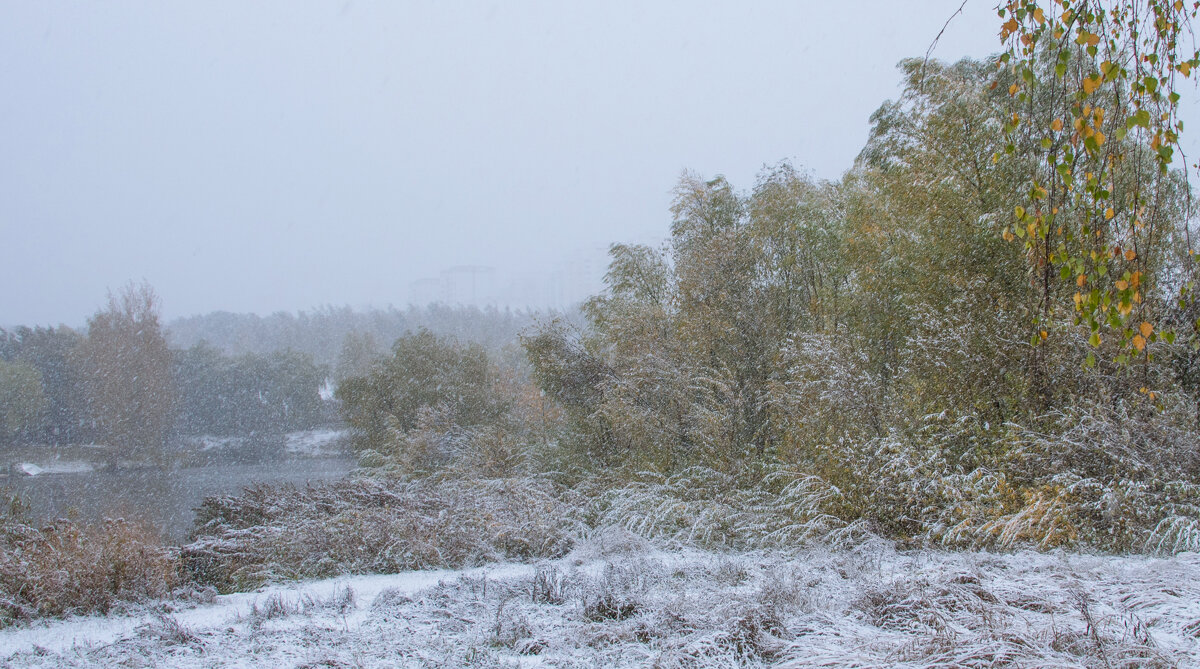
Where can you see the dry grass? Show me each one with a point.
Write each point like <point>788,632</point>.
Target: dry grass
<point>64,568</point>
<point>371,525</point>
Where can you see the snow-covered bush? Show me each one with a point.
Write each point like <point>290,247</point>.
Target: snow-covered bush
<point>706,508</point>
<point>64,567</point>
<point>374,525</point>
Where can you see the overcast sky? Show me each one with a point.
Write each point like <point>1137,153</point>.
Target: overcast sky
<point>265,156</point>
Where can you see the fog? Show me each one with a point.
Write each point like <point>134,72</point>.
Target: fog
<point>683,324</point>
<point>257,157</point>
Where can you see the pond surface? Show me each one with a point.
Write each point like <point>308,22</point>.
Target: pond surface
<point>165,500</point>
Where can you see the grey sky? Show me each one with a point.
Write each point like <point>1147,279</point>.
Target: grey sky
<point>263,156</point>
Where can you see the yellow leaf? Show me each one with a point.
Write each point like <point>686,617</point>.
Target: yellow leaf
<point>1090,84</point>
<point>1125,308</point>
<point>1178,5</point>
<point>1153,395</point>
<point>1011,25</point>
<point>1184,68</point>
<point>1122,285</point>
<point>1020,212</point>
<point>1146,329</point>
<point>1139,343</point>
<point>1109,213</point>
<point>1012,90</point>
<point>1080,280</point>
<point>1043,334</point>
<point>1136,279</point>
<point>1093,39</point>
<point>1056,124</point>
<point>1130,254</point>
<point>1039,15</point>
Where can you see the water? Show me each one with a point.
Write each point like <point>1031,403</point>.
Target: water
<point>163,499</point>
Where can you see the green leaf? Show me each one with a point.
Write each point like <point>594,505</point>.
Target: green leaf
<point>1094,340</point>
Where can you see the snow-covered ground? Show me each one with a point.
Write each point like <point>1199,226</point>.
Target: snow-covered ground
<point>316,442</point>
<point>208,442</point>
<point>617,602</point>
<point>56,467</point>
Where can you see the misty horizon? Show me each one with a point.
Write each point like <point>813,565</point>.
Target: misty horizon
<point>258,158</point>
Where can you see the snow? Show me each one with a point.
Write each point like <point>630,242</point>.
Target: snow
<point>95,631</point>
<point>208,442</point>
<point>315,442</point>
<point>53,467</point>
<point>620,603</point>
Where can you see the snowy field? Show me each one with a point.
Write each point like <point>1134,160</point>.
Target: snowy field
<point>616,602</point>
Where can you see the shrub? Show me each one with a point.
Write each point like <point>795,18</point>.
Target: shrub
<point>374,525</point>
<point>65,568</point>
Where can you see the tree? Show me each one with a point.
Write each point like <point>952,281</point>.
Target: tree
<point>423,372</point>
<point>22,402</point>
<point>125,368</point>
<point>1095,221</point>
<point>359,352</point>
<point>248,394</point>
<point>49,351</point>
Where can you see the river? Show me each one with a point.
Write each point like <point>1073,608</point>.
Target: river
<point>165,500</point>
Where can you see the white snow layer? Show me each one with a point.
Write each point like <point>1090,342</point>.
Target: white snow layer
<point>615,602</point>
<point>315,442</point>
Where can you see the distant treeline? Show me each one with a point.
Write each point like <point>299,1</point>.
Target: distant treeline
<point>53,392</point>
<point>125,380</point>
<point>322,333</point>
